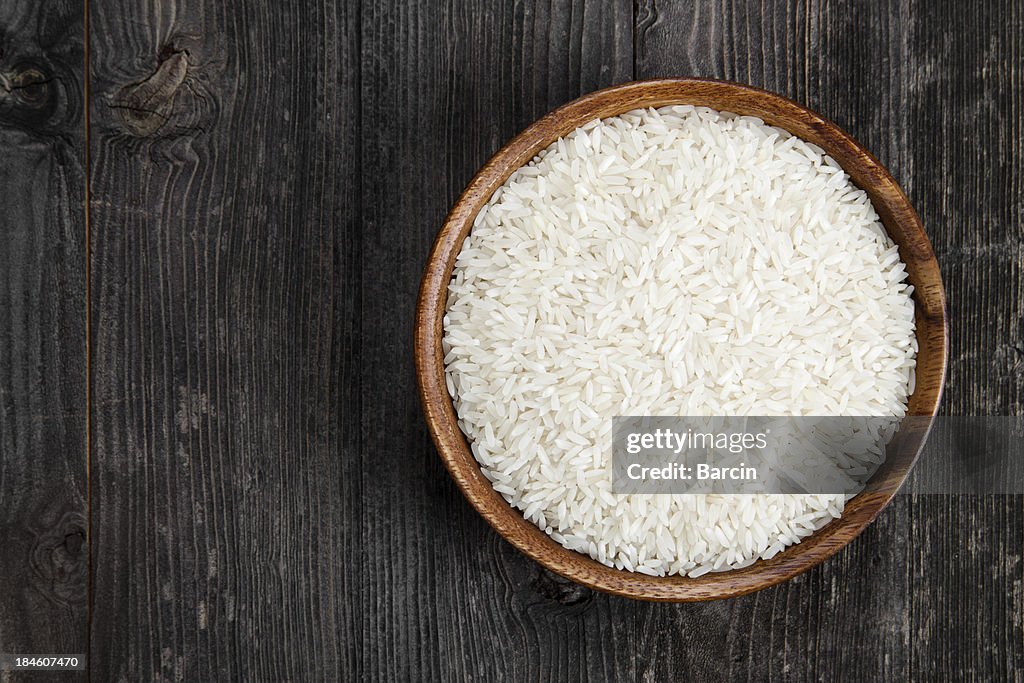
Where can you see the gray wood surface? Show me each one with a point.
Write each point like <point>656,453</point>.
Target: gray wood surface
<point>44,556</point>
<point>225,277</point>
<point>934,588</point>
<point>266,179</point>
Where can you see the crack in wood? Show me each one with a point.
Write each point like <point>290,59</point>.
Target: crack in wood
<point>145,106</point>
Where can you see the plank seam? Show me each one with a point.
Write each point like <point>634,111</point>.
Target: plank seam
<point>86,93</point>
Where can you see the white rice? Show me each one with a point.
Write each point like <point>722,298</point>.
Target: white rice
<point>677,261</point>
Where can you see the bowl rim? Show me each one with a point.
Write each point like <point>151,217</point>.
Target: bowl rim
<point>866,171</point>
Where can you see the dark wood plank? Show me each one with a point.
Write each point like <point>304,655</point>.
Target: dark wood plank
<point>268,504</point>
<point>444,85</point>
<point>933,587</point>
<point>966,118</point>
<point>43,457</point>
<point>226,280</point>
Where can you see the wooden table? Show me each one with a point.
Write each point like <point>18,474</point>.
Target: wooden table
<point>214,465</point>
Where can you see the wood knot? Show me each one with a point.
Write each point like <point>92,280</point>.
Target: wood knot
<point>28,95</point>
<point>59,560</point>
<point>30,87</point>
<point>563,591</point>
<point>147,105</point>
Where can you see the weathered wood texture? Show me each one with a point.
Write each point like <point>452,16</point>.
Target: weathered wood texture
<point>934,588</point>
<point>43,562</point>
<point>225,294</point>
<point>266,180</point>
<point>444,85</point>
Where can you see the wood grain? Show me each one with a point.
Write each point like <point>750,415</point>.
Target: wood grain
<point>43,566</point>
<point>904,79</point>
<point>226,280</point>
<point>965,102</point>
<point>267,179</point>
<point>444,85</point>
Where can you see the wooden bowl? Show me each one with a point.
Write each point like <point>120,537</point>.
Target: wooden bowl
<point>902,224</point>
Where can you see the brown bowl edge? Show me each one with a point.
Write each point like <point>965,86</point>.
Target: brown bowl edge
<point>901,222</point>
